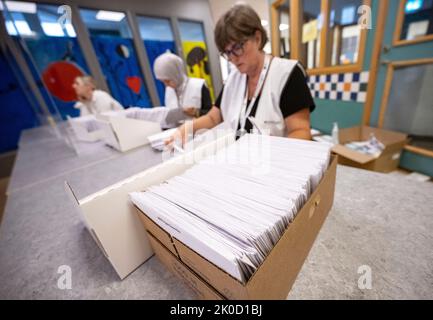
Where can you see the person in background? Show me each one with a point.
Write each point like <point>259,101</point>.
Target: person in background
<point>92,100</point>
<point>190,94</point>
<point>265,93</point>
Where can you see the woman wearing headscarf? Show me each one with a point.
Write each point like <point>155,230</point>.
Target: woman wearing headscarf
<point>190,94</point>
<point>265,93</point>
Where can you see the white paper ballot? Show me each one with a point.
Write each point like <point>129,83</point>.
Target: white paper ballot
<point>155,114</point>
<point>157,141</point>
<point>229,213</point>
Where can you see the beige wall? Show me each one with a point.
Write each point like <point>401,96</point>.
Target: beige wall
<point>219,7</point>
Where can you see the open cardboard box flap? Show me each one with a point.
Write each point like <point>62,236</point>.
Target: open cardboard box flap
<point>390,139</point>
<point>352,154</point>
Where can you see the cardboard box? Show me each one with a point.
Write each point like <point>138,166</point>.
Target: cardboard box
<point>275,277</point>
<point>110,217</point>
<point>203,290</point>
<point>388,160</point>
<point>124,134</point>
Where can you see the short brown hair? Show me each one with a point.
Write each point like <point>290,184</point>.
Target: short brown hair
<point>238,24</point>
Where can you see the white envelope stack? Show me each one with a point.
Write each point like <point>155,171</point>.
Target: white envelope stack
<point>156,114</point>
<point>232,208</point>
<point>157,141</point>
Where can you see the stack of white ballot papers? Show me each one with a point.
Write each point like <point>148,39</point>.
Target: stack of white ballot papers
<point>229,212</point>
<point>157,141</point>
<point>156,114</point>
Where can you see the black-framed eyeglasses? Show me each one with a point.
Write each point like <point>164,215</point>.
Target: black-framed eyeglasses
<point>237,50</point>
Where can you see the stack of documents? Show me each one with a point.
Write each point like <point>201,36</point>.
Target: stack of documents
<point>157,141</point>
<point>166,117</point>
<point>324,139</point>
<point>232,208</point>
<point>371,147</point>
<point>156,114</point>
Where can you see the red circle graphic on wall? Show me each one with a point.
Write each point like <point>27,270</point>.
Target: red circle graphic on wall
<point>59,77</point>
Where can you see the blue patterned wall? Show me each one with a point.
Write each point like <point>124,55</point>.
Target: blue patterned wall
<point>46,50</point>
<point>118,62</point>
<point>155,49</point>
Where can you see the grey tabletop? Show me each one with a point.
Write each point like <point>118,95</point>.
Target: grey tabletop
<point>380,221</point>
<point>42,156</point>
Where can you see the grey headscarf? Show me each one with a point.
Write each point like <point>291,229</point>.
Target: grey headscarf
<point>169,66</point>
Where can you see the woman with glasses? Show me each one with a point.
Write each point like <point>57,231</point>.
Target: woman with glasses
<point>190,94</point>
<point>264,94</point>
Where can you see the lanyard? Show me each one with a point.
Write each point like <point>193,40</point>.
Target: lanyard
<point>246,110</point>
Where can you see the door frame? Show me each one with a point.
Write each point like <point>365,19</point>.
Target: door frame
<point>392,66</point>
<point>399,26</point>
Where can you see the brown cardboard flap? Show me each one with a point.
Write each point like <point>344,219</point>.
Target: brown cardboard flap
<point>201,288</point>
<point>352,155</point>
<point>388,138</point>
<point>349,134</point>
<point>153,229</point>
<point>227,285</point>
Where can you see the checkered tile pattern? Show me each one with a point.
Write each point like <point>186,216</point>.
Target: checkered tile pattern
<point>343,86</point>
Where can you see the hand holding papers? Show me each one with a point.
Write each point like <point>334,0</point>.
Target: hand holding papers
<point>158,141</point>
<point>227,211</point>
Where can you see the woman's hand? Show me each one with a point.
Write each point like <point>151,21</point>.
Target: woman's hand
<point>190,111</point>
<point>181,134</point>
<point>175,136</point>
<point>185,131</point>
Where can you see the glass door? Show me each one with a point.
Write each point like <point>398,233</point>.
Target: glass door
<point>403,99</point>
<point>51,50</point>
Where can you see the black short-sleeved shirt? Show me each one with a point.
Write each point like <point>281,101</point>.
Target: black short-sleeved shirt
<point>206,101</point>
<point>295,96</point>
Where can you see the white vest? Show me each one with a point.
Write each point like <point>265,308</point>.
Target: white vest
<point>191,96</point>
<point>268,115</point>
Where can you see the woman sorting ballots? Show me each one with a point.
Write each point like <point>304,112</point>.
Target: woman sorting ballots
<point>92,100</point>
<point>190,94</point>
<point>264,93</point>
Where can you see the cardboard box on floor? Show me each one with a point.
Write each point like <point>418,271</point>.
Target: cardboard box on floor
<point>388,160</point>
<point>110,216</point>
<point>274,278</point>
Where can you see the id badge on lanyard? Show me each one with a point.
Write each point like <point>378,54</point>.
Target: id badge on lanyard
<point>247,109</point>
